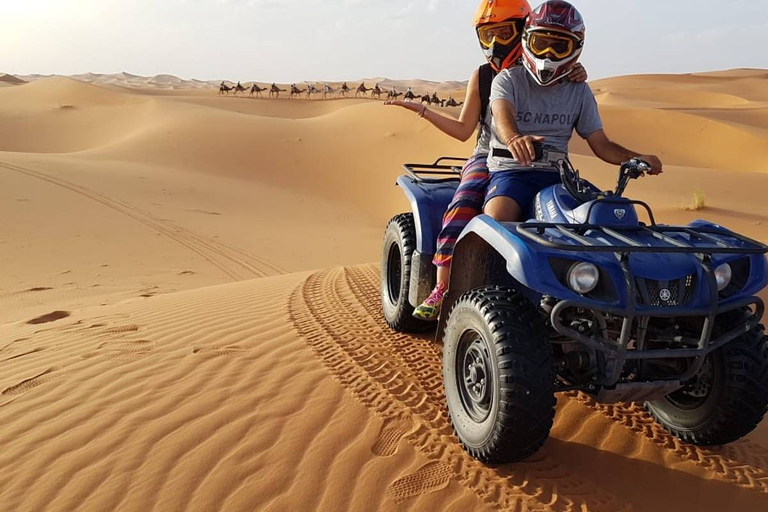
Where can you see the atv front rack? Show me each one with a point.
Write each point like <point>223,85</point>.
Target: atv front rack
<point>624,239</point>
<point>418,171</point>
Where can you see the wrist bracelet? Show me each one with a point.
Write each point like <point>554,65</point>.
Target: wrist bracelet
<point>423,111</point>
<point>513,139</point>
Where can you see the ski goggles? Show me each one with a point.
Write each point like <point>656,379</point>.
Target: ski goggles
<point>504,33</point>
<point>542,43</point>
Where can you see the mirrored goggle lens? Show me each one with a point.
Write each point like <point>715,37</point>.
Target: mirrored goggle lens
<point>559,46</point>
<point>502,33</point>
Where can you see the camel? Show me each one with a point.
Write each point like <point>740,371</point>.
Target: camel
<point>296,92</point>
<point>426,99</point>
<point>377,91</point>
<point>434,100</point>
<point>311,90</point>
<point>275,91</point>
<point>255,89</point>
<point>327,89</point>
<point>410,95</point>
<point>224,88</point>
<point>239,88</point>
<point>344,90</point>
<point>362,89</point>
<point>393,94</point>
<point>452,103</point>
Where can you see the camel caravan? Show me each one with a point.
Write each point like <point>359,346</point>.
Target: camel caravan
<point>326,91</point>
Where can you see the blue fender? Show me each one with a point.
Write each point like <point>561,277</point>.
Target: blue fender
<point>528,263</point>
<point>429,200</point>
<point>525,262</point>
<point>489,252</point>
<point>758,266</point>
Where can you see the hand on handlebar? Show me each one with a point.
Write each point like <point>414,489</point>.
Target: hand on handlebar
<point>653,164</point>
<point>522,148</point>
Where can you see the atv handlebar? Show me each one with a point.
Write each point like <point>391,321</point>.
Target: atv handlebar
<point>630,170</point>
<point>580,189</point>
<point>547,157</point>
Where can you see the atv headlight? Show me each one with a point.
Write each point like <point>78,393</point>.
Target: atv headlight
<point>582,277</point>
<point>723,275</point>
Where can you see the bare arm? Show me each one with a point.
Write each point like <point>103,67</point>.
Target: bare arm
<point>504,119</point>
<point>608,151</point>
<point>521,146</point>
<point>461,128</point>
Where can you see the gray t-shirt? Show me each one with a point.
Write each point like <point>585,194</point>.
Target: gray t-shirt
<point>552,112</point>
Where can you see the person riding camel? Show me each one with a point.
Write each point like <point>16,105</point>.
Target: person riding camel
<point>535,104</point>
<point>498,26</point>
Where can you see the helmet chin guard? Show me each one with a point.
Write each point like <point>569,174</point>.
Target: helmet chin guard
<point>503,56</point>
<point>547,72</point>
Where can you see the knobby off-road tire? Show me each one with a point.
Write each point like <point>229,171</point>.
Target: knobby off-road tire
<point>502,407</point>
<point>728,398</point>
<point>396,254</point>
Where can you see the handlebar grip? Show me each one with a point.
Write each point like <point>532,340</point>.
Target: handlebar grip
<point>640,164</point>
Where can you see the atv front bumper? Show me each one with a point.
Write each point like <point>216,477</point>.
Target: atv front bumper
<point>617,351</point>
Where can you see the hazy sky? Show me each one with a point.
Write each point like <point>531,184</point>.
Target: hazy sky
<point>288,41</point>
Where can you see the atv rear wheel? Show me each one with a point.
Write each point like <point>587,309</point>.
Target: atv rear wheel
<point>396,255</point>
<point>729,396</point>
<point>498,375</point>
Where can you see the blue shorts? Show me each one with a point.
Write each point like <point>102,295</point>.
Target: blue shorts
<point>522,186</point>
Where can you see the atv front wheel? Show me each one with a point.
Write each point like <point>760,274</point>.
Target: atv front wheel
<point>729,396</point>
<point>498,375</point>
<point>396,255</point>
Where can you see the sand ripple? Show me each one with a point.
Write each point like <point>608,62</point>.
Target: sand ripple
<point>289,393</point>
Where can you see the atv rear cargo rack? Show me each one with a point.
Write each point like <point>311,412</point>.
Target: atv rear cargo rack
<point>418,171</point>
<point>701,240</point>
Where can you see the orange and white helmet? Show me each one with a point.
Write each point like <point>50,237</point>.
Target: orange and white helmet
<point>499,25</point>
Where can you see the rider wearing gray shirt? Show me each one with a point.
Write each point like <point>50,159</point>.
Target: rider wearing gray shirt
<point>552,112</point>
<point>535,104</point>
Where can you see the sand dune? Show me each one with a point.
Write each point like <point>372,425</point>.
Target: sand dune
<point>6,79</point>
<point>221,398</point>
<point>710,120</point>
<point>171,83</point>
<point>167,341</point>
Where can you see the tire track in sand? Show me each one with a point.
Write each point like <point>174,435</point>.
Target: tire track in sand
<point>742,463</point>
<point>234,262</point>
<point>396,376</point>
<point>31,382</point>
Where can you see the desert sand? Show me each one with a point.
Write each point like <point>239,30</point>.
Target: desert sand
<point>190,313</point>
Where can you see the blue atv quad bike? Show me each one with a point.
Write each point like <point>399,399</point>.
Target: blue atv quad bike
<point>583,297</point>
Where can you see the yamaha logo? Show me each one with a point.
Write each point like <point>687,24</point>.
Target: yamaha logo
<point>552,209</point>
<point>665,294</point>
<point>619,213</point>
